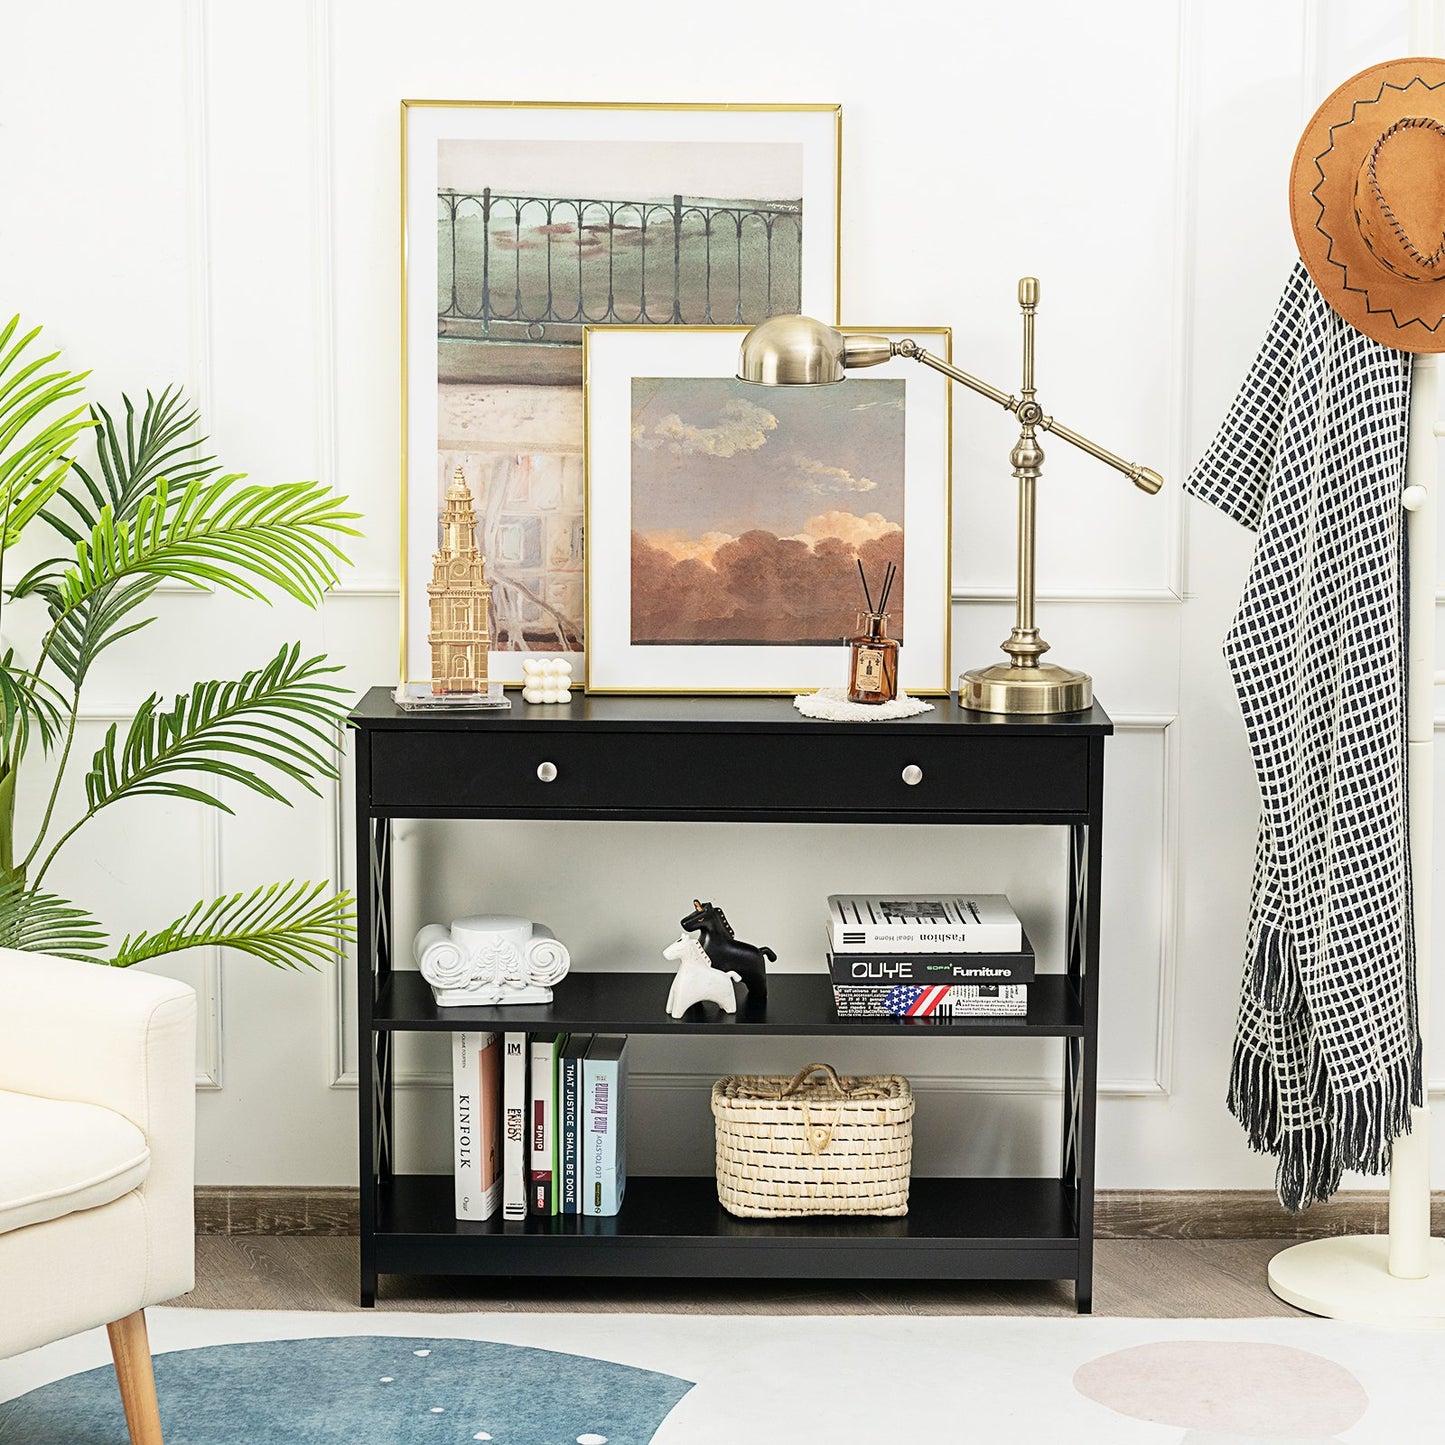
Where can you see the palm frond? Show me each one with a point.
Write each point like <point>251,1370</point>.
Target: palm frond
<point>159,445</point>
<point>34,444</point>
<point>280,716</point>
<point>288,925</point>
<point>42,923</point>
<point>215,532</point>
<point>79,634</point>
<point>26,701</point>
<point>129,467</point>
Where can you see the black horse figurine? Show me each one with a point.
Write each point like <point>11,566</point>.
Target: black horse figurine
<point>728,952</point>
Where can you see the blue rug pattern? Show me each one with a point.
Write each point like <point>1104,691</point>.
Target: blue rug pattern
<point>361,1390</point>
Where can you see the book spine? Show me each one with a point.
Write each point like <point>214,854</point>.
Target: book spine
<point>883,968</point>
<point>556,1162</point>
<point>600,1131</point>
<point>568,1142</point>
<point>911,1001</point>
<point>514,1127</point>
<point>895,938</point>
<point>542,1125</point>
<point>466,1124</point>
<point>476,1124</point>
<point>618,1181</point>
<point>489,1144</point>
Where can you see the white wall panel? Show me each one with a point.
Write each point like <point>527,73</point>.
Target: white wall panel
<point>211,197</point>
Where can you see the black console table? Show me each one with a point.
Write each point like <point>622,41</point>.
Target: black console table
<point>610,758</point>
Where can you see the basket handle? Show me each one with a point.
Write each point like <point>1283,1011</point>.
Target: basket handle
<point>819,1136</point>
<point>807,1072</point>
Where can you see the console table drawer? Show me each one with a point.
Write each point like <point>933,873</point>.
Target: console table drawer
<point>635,773</point>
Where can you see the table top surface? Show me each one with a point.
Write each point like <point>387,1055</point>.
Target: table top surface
<point>703,714</point>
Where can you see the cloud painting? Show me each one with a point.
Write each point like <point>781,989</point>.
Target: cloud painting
<point>752,507</point>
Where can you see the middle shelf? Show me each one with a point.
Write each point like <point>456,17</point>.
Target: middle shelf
<point>634,1003</point>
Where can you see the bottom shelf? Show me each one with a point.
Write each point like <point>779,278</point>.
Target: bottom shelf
<point>955,1229</point>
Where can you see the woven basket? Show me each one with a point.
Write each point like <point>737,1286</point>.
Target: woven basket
<point>788,1147</point>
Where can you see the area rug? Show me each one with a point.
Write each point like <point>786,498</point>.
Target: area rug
<point>388,1378</point>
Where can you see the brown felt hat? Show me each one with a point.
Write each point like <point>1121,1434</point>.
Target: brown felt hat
<point>1367,198</point>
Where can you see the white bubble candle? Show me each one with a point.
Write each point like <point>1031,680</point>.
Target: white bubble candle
<point>546,679</point>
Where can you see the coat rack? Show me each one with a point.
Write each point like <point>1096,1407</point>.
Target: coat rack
<point>1398,1278</point>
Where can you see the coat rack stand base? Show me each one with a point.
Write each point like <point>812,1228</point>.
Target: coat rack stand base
<point>1347,1277</point>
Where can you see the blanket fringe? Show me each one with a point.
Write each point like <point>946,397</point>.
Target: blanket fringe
<point>1311,1159</point>
<point>1367,1121</point>
<point>1271,974</point>
<point>1254,1099</point>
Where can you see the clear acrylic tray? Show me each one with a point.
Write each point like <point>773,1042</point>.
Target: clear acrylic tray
<point>422,697</point>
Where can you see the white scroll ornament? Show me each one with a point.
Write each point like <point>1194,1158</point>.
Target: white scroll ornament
<point>490,959</point>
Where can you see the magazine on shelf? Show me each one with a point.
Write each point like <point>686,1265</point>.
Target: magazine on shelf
<point>931,923</point>
<point>477,1123</point>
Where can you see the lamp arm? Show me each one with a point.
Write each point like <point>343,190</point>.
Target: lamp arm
<point>1143,477</point>
<point>915,352</point>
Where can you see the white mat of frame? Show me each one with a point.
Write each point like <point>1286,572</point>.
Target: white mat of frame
<point>896,1380</point>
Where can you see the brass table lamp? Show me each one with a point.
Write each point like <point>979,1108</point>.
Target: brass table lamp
<point>798,351</point>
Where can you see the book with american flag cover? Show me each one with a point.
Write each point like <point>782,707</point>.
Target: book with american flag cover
<point>937,923</point>
<point>941,1001</point>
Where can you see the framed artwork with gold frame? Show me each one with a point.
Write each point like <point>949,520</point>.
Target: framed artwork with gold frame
<point>726,521</point>
<point>522,224</point>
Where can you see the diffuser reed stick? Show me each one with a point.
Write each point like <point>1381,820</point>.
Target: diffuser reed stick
<point>873,655</point>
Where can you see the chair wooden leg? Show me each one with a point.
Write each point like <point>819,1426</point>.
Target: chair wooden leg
<point>131,1348</point>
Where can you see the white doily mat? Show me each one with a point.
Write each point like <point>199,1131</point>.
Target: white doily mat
<point>831,704</point>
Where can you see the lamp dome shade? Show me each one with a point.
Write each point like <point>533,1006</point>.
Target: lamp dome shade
<point>792,351</point>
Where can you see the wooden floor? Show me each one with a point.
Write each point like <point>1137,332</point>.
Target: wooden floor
<point>1149,1278</point>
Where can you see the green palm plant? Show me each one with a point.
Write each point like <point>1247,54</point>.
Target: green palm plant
<point>151,510</point>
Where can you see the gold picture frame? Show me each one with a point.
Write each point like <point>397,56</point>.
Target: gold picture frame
<point>486,387</point>
<point>628,368</point>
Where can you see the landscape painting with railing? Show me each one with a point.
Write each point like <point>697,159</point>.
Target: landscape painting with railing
<point>537,269</point>
<point>604,234</point>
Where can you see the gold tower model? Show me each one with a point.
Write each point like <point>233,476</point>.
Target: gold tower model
<point>459,635</point>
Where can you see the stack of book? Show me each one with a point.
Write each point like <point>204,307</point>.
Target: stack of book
<point>943,956</point>
<point>539,1124</point>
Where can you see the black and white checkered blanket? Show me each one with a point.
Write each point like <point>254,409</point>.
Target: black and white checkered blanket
<point>1312,458</point>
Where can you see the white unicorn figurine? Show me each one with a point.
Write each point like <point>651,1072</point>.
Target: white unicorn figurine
<point>697,980</point>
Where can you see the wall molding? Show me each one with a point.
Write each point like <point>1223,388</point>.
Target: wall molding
<point>1167,725</point>
<point>1314,47</point>
<point>323,255</point>
<point>322,116</point>
<point>1185,210</point>
<point>1199,1214</point>
<point>210,1012</point>
<point>352,586</point>
<point>198,177</point>
<point>212,1009</point>
<point>1427,27</point>
<point>1006,595</point>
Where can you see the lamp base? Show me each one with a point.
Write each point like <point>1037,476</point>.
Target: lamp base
<point>1007,688</point>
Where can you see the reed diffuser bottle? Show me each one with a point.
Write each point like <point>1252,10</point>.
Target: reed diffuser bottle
<point>872,654</point>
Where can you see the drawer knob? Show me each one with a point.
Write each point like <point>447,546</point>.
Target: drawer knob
<point>547,772</point>
<point>913,775</point>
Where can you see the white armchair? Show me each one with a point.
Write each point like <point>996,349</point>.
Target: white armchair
<point>97,1159</point>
